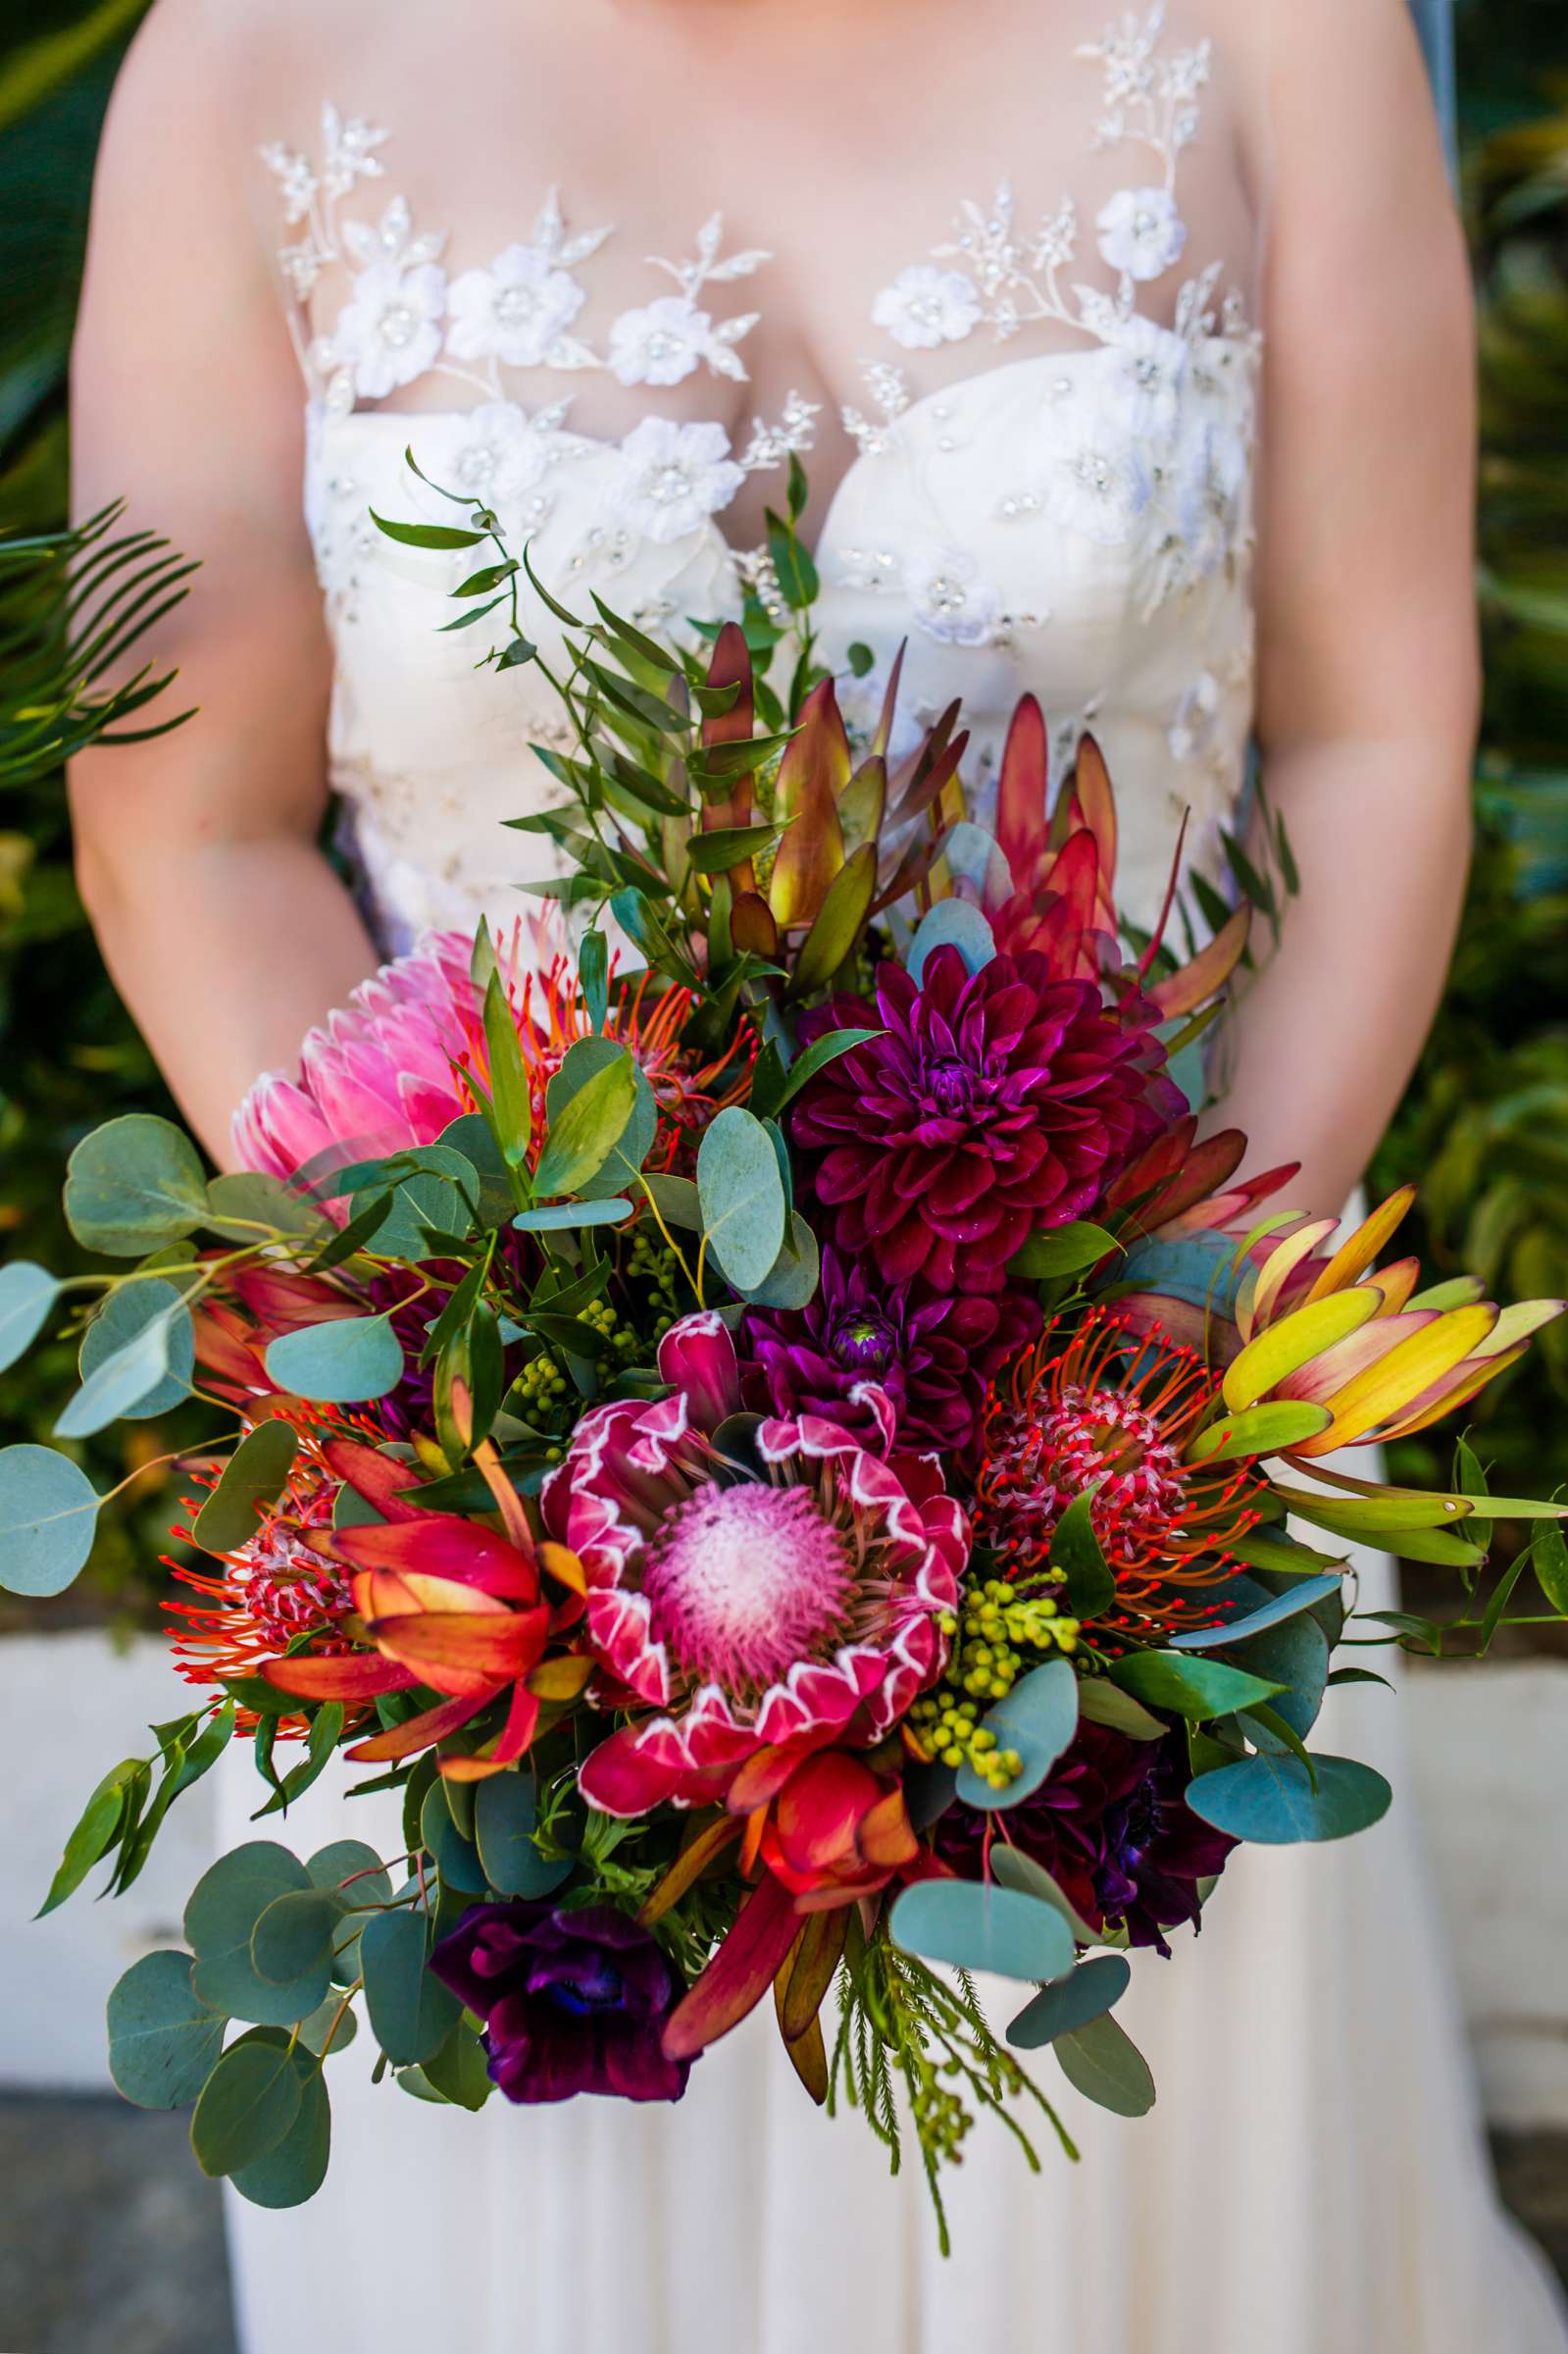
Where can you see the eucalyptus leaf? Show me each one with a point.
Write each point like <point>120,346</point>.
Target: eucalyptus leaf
<point>137,1359</point>
<point>295,2170</point>
<point>350,1861</point>
<point>221,1915</point>
<point>133,1184</point>
<point>566,1217</point>
<point>455,1858</point>
<point>48,1510</point>
<point>1101,2061</point>
<point>244,1206</point>
<point>333,2017</point>
<point>951,923</point>
<point>1037,1718</point>
<point>1300,1597</point>
<point>744,1207</point>
<point>343,1363</point>
<point>460,2069</point>
<point>1270,1800</point>
<point>26,1294</point>
<point>1012,1869</point>
<point>246,2106</point>
<point>411,2013</point>
<point>975,1927</point>
<point>163,2040</point>
<point>1071,2002</point>
<point>470,1135</point>
<point>426,1200</point>
<point>294,1936</point>
<point>791,1281</point>
<point>505,1811</point>
<point>676,1199</point>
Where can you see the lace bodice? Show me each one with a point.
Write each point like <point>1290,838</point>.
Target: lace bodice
<point>1043,476</point>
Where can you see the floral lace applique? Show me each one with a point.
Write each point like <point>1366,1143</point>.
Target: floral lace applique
<point>404,318</point>
<point>999,275</point>
<point>1152,442</point>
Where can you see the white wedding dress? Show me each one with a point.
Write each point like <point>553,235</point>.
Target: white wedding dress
<point>1050,490</point>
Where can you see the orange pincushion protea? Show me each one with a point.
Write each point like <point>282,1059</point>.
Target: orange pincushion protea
<point>274,1588</point>
<point>1114,1413</point>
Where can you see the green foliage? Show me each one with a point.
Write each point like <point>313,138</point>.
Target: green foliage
<point>1003,1931</point>
<point>70,1056</point>
<point>163,2040</point>
<point>1277,1799</point>
<point>1483,1127</point>
<point>1070,2003</point>
<point>1100,2061</point>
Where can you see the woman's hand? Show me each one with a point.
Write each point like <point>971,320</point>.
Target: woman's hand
<point>224,929</point>
<point>1368,682</point>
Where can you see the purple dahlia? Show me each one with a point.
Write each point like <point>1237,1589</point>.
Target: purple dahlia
<point>574,2000</point>
<point>931,1356</point>
<point>1112,1826</point>
<point>992,1105</point>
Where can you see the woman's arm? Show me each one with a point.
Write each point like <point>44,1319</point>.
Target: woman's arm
<point>1368,682</point>
<point>224,929</point>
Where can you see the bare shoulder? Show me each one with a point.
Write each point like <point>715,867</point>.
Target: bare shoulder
<point>1360,55</point>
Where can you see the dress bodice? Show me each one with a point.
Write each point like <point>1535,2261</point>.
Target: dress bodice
<point>1070,514</point>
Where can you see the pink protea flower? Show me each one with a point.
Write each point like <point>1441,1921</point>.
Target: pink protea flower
<point>390,1070</point>
<point>776,1588</point>
<point>378,1076</point>
<point>993,1103</point>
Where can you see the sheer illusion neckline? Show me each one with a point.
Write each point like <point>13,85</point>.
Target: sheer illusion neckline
<point>519,321</point>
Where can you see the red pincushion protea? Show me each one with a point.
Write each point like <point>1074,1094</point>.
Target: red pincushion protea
<point>1115,1413</point>
<point>780,1603</point>
<point>994,1104</point>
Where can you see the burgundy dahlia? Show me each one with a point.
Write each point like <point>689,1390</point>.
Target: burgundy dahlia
<point>574,2000</point>
<point>994,1105</point>
<point>932,1356</point>
<point>1112,1828</point>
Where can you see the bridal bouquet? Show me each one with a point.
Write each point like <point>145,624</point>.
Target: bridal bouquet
<point>766,1431</point>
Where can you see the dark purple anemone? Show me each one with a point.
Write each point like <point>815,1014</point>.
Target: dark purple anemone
<point>575,2000</point>
<point>932,1356</point>
<point>992,1105</point>
<point>1111,1825</point>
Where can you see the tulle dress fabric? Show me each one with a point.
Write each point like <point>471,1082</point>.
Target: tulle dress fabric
<point>1049,487</point>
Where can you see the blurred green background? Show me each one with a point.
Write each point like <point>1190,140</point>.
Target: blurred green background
<point>1485,1125</point>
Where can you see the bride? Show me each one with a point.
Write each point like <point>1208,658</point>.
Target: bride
<point>1132,362</point>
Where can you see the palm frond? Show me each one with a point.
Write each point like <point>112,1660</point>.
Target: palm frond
<point>74,604</point>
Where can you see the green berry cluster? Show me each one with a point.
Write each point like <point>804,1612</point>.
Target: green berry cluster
<point>651,1261</point>
<point>996,1633</point>
<point>940,2116</point>
<point>603,1319</point>
<point>541,1387</point>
